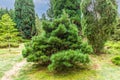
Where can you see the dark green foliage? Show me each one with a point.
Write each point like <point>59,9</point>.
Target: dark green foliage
<point>50,11</point>
<point>71,7</point>
<point>25,17</point>
<point>60,35</point>
<point>66,59</point>
<point>116,60</point>
<point>116,35</point>
<point>98,21</point>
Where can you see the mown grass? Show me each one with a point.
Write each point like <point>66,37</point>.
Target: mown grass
<point>30,72</point>
<point>8,59</point>
<point>100,68</point>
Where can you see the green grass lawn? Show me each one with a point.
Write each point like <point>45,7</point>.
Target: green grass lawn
<point>8,59</point>
<point>100,68</point>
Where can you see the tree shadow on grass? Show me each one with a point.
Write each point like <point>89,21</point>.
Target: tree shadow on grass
<point>40,72</point>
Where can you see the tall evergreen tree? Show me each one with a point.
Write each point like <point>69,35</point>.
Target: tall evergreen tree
<point>98,21</point>
<point>50,10</point>
<point>25,17</point>
<point>71,7</point>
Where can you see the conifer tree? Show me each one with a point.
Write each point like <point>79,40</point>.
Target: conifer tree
<point>7,28</point>
<point>98,21</point>
<point>72,8</point>
<point>50,10</point>
<point>25,17</point>
<point>8,32</point>
<point>60,39</point>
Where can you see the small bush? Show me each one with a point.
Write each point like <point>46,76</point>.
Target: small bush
<point>66,59</point>
<point>116,60</point>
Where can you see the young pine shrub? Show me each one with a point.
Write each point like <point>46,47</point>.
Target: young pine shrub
<point>60,39</point>
<point>8,32</point>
